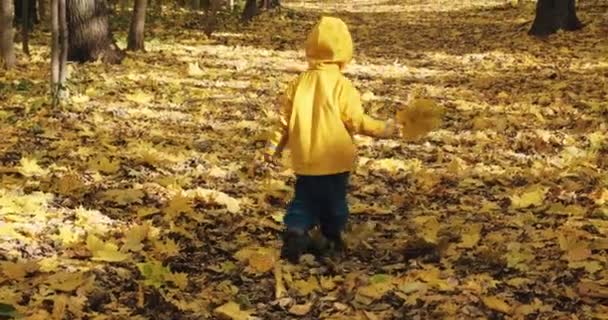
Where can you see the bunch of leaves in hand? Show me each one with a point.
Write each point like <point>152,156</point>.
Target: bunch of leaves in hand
<point>419,118</point>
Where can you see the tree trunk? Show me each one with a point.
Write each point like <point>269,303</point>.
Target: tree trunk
<point>211,16</point>
<point>32,11</point>
<point>135,41</point>
<point>195,5</point>
<point>90,36</point>
<point>42,9</point>
<point>553,15</point>
<point>7,54</point>
<point>25,27</point>
<point>250,10</point>
<point>158,7</point>
<point>59,50</point>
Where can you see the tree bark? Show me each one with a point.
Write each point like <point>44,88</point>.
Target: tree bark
<point>59,50</point>
<point>25,27</point>
<point>42,9</point>
<point>553,15</point>
<point>250,10</point>
<point>7,53</point>
<point>135,40</point>
<point>90,36</point>
<point>31,7</point>
<point>211,16</point>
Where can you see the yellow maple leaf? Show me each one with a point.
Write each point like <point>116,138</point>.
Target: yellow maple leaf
<point>123,196</point>
<point>167,248</point>
<point>104,251</point>
<point>232,311</point>
<point>194,70</point>
<point>67,236</point>
<point>30,168</point>
<point>180,279</point>
<point>496,304</point>
<point>140,97</point>
<point>135,236</point>
<point>420,117</point>
<point>531,197</point>
<point>575,249</point>
<point>65,281</point>
<point>69,183</point>
<point>471,235</point>
<point>428,228</point>
<point>105,165</point>
<point>306,287</point>
<point>179,203</point>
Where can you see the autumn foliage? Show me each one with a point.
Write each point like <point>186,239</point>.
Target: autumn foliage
<point>139,197</point>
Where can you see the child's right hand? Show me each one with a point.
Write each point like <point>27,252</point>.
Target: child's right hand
<point>392,129</point>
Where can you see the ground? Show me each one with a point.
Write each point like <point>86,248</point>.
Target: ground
<point>140,198</point>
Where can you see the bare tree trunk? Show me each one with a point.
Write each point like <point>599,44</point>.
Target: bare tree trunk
<point>90,35</point>
<point>195,5</point>
<point>211,16</point>
<point>25,27</point>
<point>553,15</point>
<point>6,34</point>
<point>250,10</point>
<point>59,50</point>
<point>42,9</point>
<point>135,40</point>
<point>158,7</point>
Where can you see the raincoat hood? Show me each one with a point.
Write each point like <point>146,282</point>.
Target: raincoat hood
<point>329,42</point>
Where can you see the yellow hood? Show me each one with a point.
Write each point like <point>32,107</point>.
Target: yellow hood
<point>329,42</point>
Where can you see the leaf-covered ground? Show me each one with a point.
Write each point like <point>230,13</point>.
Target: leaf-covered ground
<point>139,198</point>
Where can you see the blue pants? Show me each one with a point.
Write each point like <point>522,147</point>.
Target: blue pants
<point>319,200</point>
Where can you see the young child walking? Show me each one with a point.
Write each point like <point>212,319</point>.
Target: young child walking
<point>320,112</point>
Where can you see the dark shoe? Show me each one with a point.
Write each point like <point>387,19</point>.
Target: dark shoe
<point>330,246</point>
<point>295,243</point>
<point>336,245</point>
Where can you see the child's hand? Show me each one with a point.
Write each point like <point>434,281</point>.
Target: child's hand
<point>392,130</point>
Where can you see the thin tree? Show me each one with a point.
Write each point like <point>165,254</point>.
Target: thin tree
<point>42,9</point>
<point>135,40</point>
<point>59,50</point>
<point>25,27</point>
<point>553,15</point>
<point>7,53</point>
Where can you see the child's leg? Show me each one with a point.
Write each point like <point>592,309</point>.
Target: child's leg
<point>299,219</point>
<point>334,215</point>
<point>302,209</point>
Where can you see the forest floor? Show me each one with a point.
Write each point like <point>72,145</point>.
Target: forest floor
<point>139,199</point>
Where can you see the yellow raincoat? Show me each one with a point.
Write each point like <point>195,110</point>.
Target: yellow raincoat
<point>321,109</point>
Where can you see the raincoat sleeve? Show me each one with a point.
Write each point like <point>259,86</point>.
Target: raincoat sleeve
<point>280,131</point>
<point>354,117</point>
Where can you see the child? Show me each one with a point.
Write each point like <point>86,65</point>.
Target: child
<point>320,111</point>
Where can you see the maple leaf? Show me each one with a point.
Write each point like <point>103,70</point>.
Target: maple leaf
<point>232,311</point>
<point>420,117</point>
<point>497,304</point>
<point>105,165</point>
<point>103,251</point>
<point>154,273</point>
<point>30,168</point>
<point>471,236</point>
<point>66,281</point>
<point>123,196</point>
<point>140,97</point>
<point>533,196</point>
<point>306,287</point>
<point>135,236</point>
<point>179,203</point>
<point>428,228</point>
